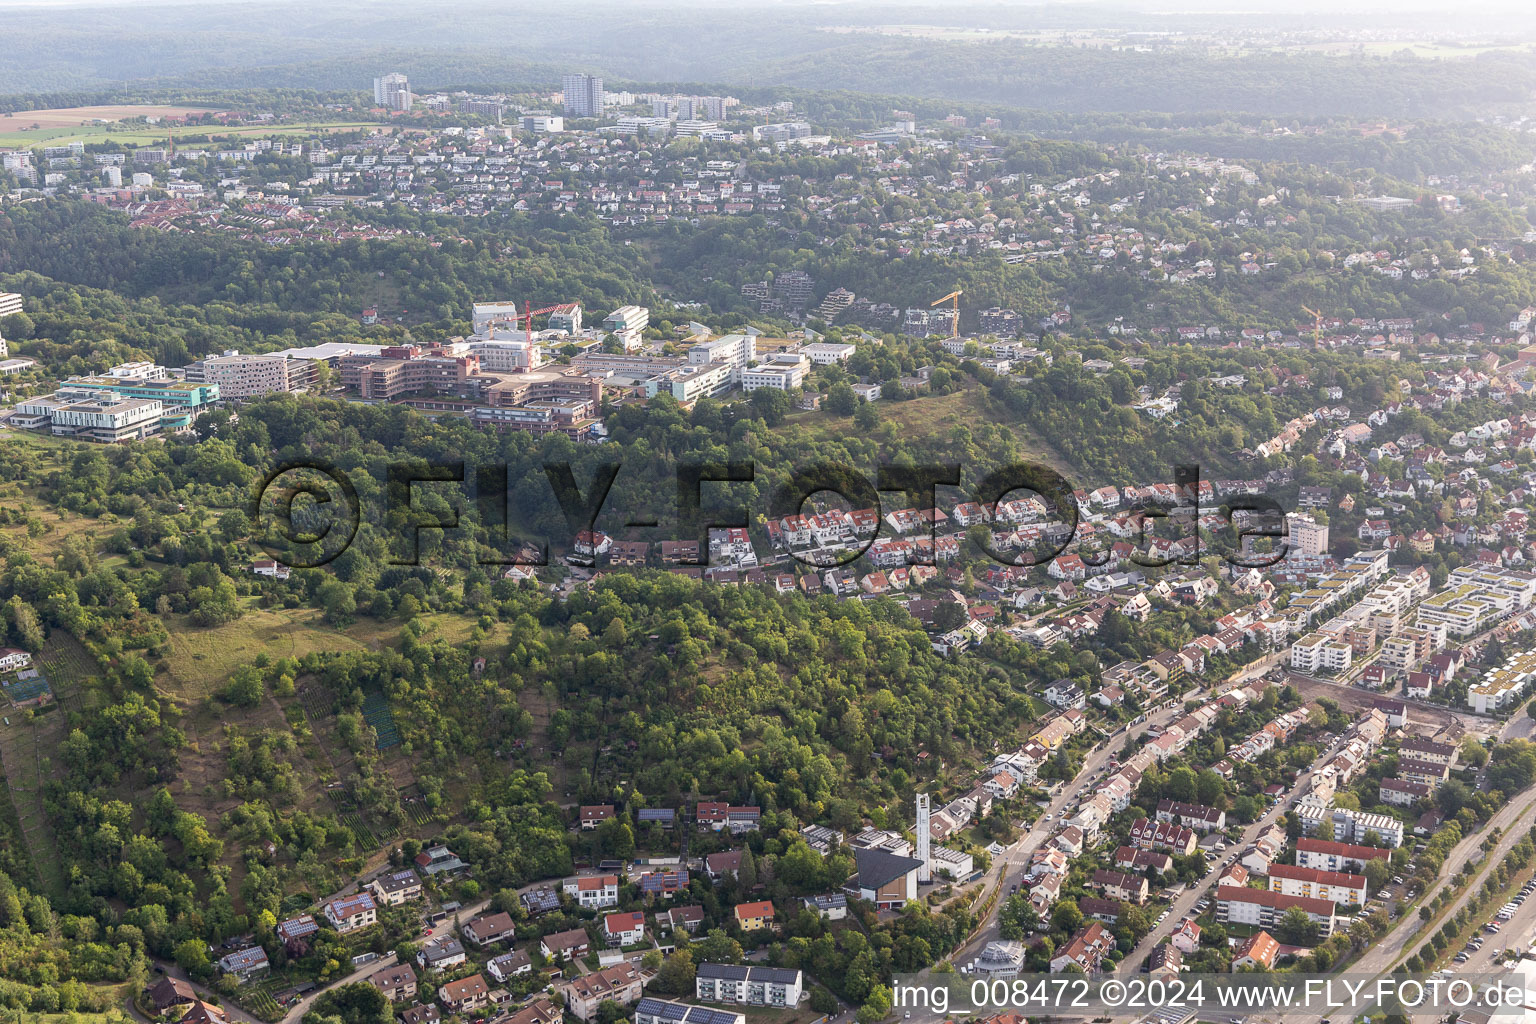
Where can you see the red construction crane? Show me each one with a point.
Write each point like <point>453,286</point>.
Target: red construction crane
<point>528,321</point>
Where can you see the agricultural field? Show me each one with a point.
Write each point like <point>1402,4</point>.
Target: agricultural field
<point>123,125</point>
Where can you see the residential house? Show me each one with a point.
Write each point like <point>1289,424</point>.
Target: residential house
<point>397,983</point>
<point>489,928</point>
<point>1085,950</point>
<point>561,946</point>
<point>396,888</point>
<point>625,928</point>
<point>465,995</point>
<point>441,953</point>
<point>620,984</point>
<point>831,907</point>
<point>1117,885</point>
<point>509,965</point>
<point>246,964</point>
<point>593,815</point>
<point>350,913</point>
<point>755,915</point>
<point>1256,951</point>
<point>594,892</point>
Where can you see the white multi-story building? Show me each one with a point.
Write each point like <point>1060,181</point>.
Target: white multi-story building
<point>1504,685</point>
<point>1308,537</point>
<point>10,302</point>
<point>628,322</point>
<point>825,353</point>
<point>582,95</point>
<point>393,91</point>
<point>543,124</point>
<point>483,314</point>
<point>1327,855</point>
<point>566,318</point>
<point>91,415</point>
<point>1334,886</point>
<point>1343,825</point>
<point>784,131</point>
<point>688,384</point>
<point>781,374</point>
<point>251,376</point>
<point>497,356</point>
<point>1317,652</point>
<point>736,351</point>
<point>1238,904</point>
<point>748,985</point>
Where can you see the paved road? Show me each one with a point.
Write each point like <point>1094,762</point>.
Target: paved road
<point>1514,818</point>
<point>1184,905</point>
<point>298,1009</point>
<point>1518,933</point>
<point>1007,866</point>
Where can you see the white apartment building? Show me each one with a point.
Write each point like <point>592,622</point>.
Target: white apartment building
<point>1316,652</point>
<point>1327,855</point>
<point>1343,825</point>
<point>1475,596</point>
<point>748,985</point>
<point>1504,685</point>
<point>1308,538</point>
<point>1334,886</point>
<point>393,91</point>
<point>1386,607</point>
<point>10,302</point>
<point>1236,904</point>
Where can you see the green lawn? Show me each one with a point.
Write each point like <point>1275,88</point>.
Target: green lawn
<point>202,658</point>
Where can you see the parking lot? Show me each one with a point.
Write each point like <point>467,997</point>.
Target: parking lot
<point>1509,930</point>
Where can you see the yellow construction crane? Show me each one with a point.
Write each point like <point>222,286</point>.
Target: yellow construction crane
<point>1317,326</point>
<point>954,319</point>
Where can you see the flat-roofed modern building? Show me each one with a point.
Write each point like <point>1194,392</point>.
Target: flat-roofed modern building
<point>181,401</point>
<point>88,414</point>
<point>748,985</point>
<point>251,376</point>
